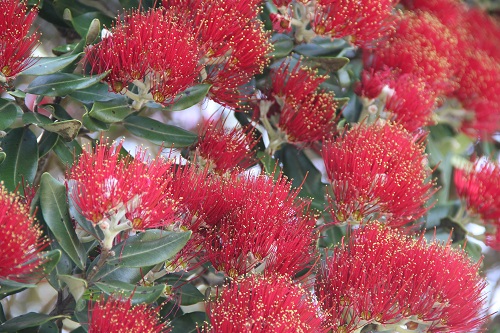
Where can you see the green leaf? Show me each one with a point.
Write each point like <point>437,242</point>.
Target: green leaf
<point>96,93</point>
<point>149,248</point>
<point>21,161</point>
<point>76,285</point>
<point>140,294</point>
<point>271,165</point>
<point>67,129</point>
<point>117,272</point>
<point>48,327</point>
<point>62,84</point>
<point>189,295</point>
<point>8,286</point>
<point>63,49</point>
<point>93,124</point>
<point>35,118</point>
<point>82,22</point>
<point>50,65</point>
<point>330,237</point>
<point>321,47</point>
<point>8,113</point>
<point>341,101</point>
<point>2,156</point>
<point>47,142</point>
<point>51,259</point>
<point>31,319</point>
<point>110,112</point>
<point>158,132</point>
<point>189,97</point>
<point>473,250</point>
<point>300,169</point>
<point>189,322</point>
<point>283,45</point>
<point>67,151</point>
<point>55,213</point>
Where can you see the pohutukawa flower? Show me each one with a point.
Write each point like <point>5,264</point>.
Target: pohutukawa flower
<point>310,120</point>
<point>421,46</point>
<point>264,216</point>
<point>119,315</point>
<point>21,239</point>
<point>226,149</point>
<point>364,21</point>
<point>479,188</point>
<point>16,43</point>
<point>263,304</point>
<point>377,172</point>
<point>158,50</point>
<point>120,193</point>
<point>382,277</point>
<point>281,23</point>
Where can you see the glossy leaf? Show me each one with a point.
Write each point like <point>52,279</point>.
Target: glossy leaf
<point>54,207</point>
<point>62,84</point>
<point>96,93</point>
<point>110,112</point>
<point>75,285</point>
<point>8,286</point>
<point>8,113</point>
<point>329,64</point>
<point>189,322</point>
<point>51,259</point>
<point>283,45</point>
<point>158,132</point>
<point>21,161</point>
<point>50,65</point>
<point>67,151</point>
<point>31,319</point>
<point>189,97</point>
<point>141,294</point>
<point>93,124</point>
<point>149,248</point>
<point>110,272</point>
<point>35,118</point>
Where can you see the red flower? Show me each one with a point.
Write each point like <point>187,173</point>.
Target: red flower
<point>226,149</point>
<point>119,315</point>
<point>365,21</point>
<point>421,46</point>
<point>263,217</point>
<point>382,277</point>
<point>16,45</point>
<point>21,240</point>
<point>377,172</point>
<point>263,304</point>
<point>310,120</point>
<point>157,48</point>
<point>280,23</point>
<point>106,186</point>
<point>411,104</point>
<point>479,188</point>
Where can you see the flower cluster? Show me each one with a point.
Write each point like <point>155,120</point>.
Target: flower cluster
<point>263,304</point>
<point>445,49</point>
<point>246,223</point>
<point>120,316</point>
<point>120,193</point>
<point>479,189</point>
<point>21,240</point>
<point>382,277</point>
<point>226,149</point>
<point>377,172</point>
<point>164,51</point>
<point>16,43</point>
<point>364,21</point>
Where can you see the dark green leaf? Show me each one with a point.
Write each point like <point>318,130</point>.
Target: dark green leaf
<point>117,272</point>
<point>324,47</point>
<point>50,65</point>
<point>48,327</point>
<point>47,142</point>
<point>30,319</point>
<point>55,213</point>
<point>8,113</point>
<point>149,248</point>
<point>158,132</point>
<point>189,295</point>
<point>300,169</point>
<point>189,97</point>
<point>93,124</point>
<point>341,101</point>
<point>9,286</point>
<point>330,236</point>
<point>329,64</point>
<point>96,93</point>
<point>473,250</point>
<point>110,112</point>
<point>189,322</point>
<point>67,151</point>
<point>283,45</point>
<point>271,165</point>
<point>140,294</point>
<point>35,118</point>
<point>57,111</point>
<point>21,162</point>
<point>63,49</point>
<point>82,23</point>
<point>62,84</point>
<point>51,259</point>
<point>2,156</point>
